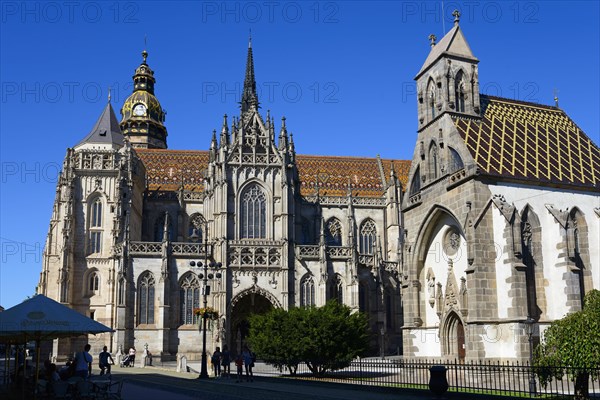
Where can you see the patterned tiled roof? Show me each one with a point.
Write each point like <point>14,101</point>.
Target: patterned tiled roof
<point>532,142</point>
<point>166,169</point>
<point>332,175</point>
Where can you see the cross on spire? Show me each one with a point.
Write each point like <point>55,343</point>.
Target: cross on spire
<point>456,15</point>
<point>432,39</point>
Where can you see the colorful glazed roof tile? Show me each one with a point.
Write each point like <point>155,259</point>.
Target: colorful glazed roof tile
<point>167,169</point>
<point>332,175</point>
<point>531,142</point>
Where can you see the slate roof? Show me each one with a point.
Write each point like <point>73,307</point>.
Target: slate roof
<point>106,130</point>
<point>166,168</point>
<point>530,142</point>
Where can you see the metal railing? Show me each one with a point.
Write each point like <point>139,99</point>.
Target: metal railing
<point>483,377</point>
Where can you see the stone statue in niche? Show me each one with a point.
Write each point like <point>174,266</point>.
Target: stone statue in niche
<point>431,287</point>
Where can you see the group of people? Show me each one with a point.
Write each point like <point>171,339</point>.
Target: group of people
<point>245,359</point>
<point>81,365</point>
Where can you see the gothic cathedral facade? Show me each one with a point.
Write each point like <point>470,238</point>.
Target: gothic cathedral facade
<point>492,223</point>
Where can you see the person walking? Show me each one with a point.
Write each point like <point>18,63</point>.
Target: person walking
<point>83,362</point>
<point>216,362</point>
<point>239,363</point>
<point>249,358</point>
<point>103,358</point>
<point>225,361</point>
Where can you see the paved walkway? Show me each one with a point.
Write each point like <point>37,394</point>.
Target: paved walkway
<point>156,383</point>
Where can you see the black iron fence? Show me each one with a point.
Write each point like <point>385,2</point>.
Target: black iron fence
<point>485,377</point>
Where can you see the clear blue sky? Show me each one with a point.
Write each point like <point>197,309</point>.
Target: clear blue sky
<point>341,72</point>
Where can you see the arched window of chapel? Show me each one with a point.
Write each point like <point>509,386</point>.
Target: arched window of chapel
<point>433,161</point>
<point>459,91</point>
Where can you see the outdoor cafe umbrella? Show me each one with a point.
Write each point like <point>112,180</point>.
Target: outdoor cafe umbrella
<point>41,318</point>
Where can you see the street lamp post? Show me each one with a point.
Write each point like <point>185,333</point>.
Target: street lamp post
<point>529,325</point>
<point>205,275</point>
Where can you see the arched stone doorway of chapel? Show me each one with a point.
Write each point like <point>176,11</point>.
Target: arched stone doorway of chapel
<point>243,305</point>
<point>453,337</point>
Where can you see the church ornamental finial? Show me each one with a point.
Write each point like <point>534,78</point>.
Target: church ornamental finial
<point>109,94</point>
<point>456,15</point>
<point>556,98</point>
<point>432,39</point>
<point>144,52</point>
<point>249,96</point>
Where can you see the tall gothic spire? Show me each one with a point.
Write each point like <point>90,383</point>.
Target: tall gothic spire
<point>249,97</point>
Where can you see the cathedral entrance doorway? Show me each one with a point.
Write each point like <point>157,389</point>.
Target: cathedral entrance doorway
<point>246,305</point>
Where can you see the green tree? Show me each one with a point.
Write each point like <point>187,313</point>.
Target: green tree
<point>325,338</point>
<point>274,337</point>
<point>573,345</point>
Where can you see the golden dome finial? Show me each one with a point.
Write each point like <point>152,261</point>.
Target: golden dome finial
<point>145,53</point>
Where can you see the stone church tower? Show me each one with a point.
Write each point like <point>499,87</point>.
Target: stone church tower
<point>98,202</point>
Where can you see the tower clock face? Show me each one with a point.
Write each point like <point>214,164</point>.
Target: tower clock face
<point>139,110</point>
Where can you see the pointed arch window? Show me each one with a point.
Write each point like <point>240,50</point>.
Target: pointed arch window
<point>368,232</point>
<point>305,231</point>
<point>195,228</point>
<point>415,183</point>
<point>433,160</point>
<point>146,299</point>
<point>459,92</point>
<point>389,310</point>
<point>578,246</point>
<point>121,292</point>
<point>159,229</point>
<point>431,98</point>
<point>307,291</point>
<point>333,232</point>
<point>93,282</point>
<point>253,213</point>
<point>363,297</point>
<point>455,163</point>
<point>336,289</point>
<point>189,298</point>
<point>95,227</point>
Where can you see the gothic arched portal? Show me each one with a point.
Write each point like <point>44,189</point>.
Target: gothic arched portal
<point>453,337</point>
<point>243,306</point>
